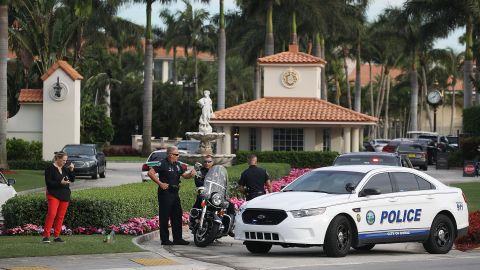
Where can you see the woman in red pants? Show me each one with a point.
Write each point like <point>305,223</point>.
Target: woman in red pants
<point>57,178</point>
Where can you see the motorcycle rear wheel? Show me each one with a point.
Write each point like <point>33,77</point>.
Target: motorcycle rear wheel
<point>205,236</point>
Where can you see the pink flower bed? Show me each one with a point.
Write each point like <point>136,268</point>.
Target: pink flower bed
<point>138,226</point>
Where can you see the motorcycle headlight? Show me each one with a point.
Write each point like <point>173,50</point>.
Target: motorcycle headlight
<point>308,212</point>
<point>216,199</point>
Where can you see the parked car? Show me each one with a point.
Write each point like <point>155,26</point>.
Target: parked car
<point>157,155</point>
<point>87,159</point>
<point>391,147</point>
<point>415,152</point>
<point>355,206</point>
<point>7,190</point>
<point>372,158</point>
<point>378,144</point>
<point>189,146</point>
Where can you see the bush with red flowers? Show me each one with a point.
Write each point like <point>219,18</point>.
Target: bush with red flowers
<point>472,239</point>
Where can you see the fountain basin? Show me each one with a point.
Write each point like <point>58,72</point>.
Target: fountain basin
<point>218,159</point>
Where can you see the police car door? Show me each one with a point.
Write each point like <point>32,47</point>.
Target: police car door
<point>416,205</point>
<point>372,212</point>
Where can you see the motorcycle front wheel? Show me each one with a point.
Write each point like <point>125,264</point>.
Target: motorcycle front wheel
<point>204,236</point>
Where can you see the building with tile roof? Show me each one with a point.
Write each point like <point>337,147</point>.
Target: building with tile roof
<point>291,116</point>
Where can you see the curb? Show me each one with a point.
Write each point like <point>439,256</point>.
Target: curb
<point>139,240</point>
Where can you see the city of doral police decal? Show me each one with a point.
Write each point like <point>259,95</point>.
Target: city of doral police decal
<point>370,218</point>
<point>290,77</point>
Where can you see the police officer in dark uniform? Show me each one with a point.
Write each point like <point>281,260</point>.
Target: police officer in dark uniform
<point>169,171</point>
<point>253,180</point>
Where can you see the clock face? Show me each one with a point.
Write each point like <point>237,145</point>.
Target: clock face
<point>290,77</point>
<point>434,97</point>
<point>58,91</point>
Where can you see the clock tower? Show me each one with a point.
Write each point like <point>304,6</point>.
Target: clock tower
<point>61,108</point>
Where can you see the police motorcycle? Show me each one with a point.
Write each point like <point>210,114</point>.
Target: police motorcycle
<point>212,221</point>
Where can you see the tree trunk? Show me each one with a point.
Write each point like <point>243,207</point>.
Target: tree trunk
<point>3,83</point>
<point>413,100</point>
<point>293,35</point>
<point>347,82</point>
<point>452,116</point>
<point>195,66</point>
<point>386,125</point>
<point>147,86</point>
<point>258,86</point>
<point>107,99</point>
<point>380,87</point>
<point>372,108</point>
<point>269,39</point>
<point>339,93</point>
<point>323,84</point>
<point>468,66</point>
<point>221,60</point>
<point>424,94</point>
<point>358,87</point>
<point>174,66</point>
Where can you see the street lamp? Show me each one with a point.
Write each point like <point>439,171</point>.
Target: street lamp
<point>435,99</point>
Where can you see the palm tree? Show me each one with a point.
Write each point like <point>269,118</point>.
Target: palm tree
<point>444,16</point>
<point>3,82</point>
<point>171,37</point>
<point>222,48</point>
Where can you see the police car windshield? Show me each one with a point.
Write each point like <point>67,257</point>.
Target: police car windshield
<point>367,160</point>
<point>332,182</point>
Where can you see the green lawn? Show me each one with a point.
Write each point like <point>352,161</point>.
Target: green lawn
<point>27,179</point>
<point>31,246</point>
<point>126,158</point>
<point>472,191</point>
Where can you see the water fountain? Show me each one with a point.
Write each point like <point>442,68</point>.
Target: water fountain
<point>206,136</point>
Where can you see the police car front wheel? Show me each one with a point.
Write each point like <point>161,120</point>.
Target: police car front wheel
<point>338,238</point>
<point>441,236</point>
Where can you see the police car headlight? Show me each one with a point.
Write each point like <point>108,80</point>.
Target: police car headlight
<point>216,199</point>
<point>308,212</point>
<point>242,208</point>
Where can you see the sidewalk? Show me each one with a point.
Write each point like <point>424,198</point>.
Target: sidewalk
<point>157,258</point>
<point>454,175</point>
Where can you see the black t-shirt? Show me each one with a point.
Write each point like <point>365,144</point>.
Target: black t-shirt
<point>200,179</point>
<point>53,180</point>
<point>254,179</point>
<point>170,172</point>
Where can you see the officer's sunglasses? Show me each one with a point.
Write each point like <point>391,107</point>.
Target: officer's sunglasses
<point>208,161</point>
<point>175,154</point>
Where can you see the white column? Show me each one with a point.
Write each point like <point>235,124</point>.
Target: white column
<point>355,139</point>
<point>227,140</point>
<point>244,139</point>
<point>347,138</point>
<point>164,71</point>
<point>266,139</point>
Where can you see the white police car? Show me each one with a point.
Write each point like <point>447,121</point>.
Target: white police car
<point>6,190</point>
<point>355,206</point>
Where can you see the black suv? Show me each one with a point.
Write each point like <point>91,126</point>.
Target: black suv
<point>87,159</point>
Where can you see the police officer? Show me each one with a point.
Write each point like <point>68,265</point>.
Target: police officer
<point>169,171</point>
<point>253,179</point>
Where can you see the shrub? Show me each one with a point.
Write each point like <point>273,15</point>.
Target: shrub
<point>120,150</point>
<point>469,146</point>
<point>19,149</point>
<point>298,159</point>
<point>101,207</point>
<point>471,120</point>
<point>28,164</point>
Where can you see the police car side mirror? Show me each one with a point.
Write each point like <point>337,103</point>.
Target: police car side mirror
<point>369,191</point>
<point>11,182</point>
<point>349,187</point>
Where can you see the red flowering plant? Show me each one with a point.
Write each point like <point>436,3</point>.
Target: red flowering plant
<point>472,239</point>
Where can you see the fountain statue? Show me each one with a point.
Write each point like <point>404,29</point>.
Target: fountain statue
<point>206,136</point>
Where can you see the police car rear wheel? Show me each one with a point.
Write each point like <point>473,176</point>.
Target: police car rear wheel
<point>441,236</point>
<point>366,247</point>
<point>258,247</point>
<point>338,238</point>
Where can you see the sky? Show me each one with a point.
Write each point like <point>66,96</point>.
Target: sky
<point>136,13</point>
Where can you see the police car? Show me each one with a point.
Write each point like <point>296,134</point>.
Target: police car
<point>355,206</point>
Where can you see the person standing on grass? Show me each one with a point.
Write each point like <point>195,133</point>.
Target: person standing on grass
<point>254,179</point>
<point>57,179</point>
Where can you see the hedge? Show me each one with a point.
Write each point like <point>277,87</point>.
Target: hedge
<point>19,149</point>
<point>28,164</point>
<point>297,159</point>
<point>471,120</point>
<point>102,207</point>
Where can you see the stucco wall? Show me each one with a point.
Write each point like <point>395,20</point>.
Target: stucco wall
<point>27,123</point>
<point>337,139</point>
<point>443,120</point>
<point>61,119</point>
<point>308,84</point>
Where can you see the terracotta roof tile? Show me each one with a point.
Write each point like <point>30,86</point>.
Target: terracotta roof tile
<point>376,73</point>
<point>293,56</point>
<point>291,109</point>
<point>31,96</point>
<point>65,66</point>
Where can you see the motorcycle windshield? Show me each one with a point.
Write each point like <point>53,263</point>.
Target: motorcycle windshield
<point>216,181</point>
